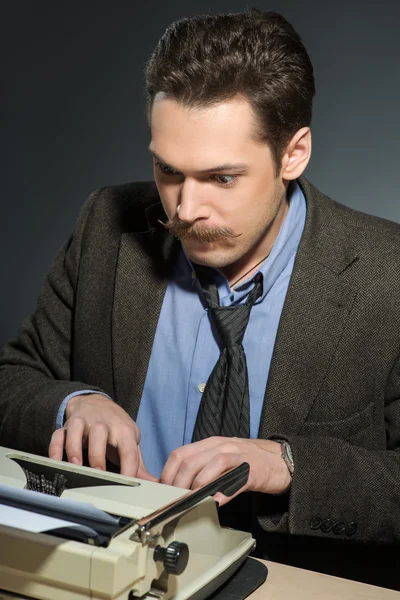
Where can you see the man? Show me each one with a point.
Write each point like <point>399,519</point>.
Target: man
<point>268,333</point>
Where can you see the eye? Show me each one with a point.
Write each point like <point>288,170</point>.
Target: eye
<point>165,169</point>
<point>226,180</point>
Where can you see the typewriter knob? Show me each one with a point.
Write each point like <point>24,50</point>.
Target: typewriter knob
<point>174,557</point>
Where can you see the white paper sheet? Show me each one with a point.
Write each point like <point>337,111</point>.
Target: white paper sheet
<point>28,521</point>
<point>37,512</point>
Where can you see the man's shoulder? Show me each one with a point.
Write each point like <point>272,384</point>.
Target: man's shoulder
<point>364,230</point>
<point>138,193</point>
<point>124,205</point>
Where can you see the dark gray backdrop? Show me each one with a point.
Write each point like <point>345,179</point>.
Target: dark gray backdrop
<point>73,113</point>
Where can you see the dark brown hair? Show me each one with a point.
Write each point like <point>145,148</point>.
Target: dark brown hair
<point>206,59</point>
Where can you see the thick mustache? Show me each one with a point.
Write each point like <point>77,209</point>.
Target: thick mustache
<point>181,229</point>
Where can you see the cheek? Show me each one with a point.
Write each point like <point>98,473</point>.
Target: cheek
<point>243,212</point>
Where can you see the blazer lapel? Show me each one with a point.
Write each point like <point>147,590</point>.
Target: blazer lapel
<point>144,263</point>
<point>317,304</point>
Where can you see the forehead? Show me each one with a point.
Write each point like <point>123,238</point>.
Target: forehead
<point>227,127</point>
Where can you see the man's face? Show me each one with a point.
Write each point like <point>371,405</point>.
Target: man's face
<point>207,163</point>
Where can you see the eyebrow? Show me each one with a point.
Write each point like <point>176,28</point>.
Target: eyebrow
<point>224,167</point>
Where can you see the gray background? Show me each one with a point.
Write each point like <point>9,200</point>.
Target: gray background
<point>73,114</point>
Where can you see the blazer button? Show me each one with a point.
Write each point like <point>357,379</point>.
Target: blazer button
<point>339,527</point>
<point>315,523</point>
<point>326,526</point>
<point>351,528</point>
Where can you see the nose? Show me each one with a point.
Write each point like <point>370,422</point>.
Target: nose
<point>192,204</point>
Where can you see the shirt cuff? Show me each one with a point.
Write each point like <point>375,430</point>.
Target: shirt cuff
<point>63,405</point>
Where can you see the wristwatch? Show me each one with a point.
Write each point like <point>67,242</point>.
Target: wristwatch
<point>286,454</point>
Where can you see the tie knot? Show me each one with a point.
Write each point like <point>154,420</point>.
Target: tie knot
<point>231,323</point>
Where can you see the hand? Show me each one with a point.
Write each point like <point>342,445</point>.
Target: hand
<point>96,422</point>
<point>195,465</point>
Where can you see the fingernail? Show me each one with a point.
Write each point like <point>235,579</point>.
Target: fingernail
<point>75,460</point>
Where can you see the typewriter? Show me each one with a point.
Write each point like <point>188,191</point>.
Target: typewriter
<point>69,532</point>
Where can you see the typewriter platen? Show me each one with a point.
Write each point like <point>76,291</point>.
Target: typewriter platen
<point>108,536</point>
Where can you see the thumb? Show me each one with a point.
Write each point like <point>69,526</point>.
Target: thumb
<point>142,472</point>
<point>221,499</point>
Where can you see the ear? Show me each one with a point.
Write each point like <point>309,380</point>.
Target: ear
<point>297,154</point>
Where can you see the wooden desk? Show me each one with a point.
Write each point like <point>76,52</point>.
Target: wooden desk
<point>290,583</point>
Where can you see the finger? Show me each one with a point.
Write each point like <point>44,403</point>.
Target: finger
<point>56,446</point>
<point>220,464</point>
<point>142,472</point>
<point>221,499</point>
<point>75,433</point>
<point>218,497</point>
<point>97,445</point>
<point>128,455</point>
<point>191,466</point>
<point>172,466</point>
<point>187,453</point>
<point>188,469</point>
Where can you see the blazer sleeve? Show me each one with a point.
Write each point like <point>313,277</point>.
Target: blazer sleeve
<point>342,490</point>
<point>35,369</point>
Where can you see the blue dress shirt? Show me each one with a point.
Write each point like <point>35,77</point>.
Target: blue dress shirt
<point>186,345</point>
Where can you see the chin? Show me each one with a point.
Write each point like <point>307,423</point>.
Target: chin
<point>209,254</point>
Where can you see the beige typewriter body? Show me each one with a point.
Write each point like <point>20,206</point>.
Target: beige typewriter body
<point>44,566</point>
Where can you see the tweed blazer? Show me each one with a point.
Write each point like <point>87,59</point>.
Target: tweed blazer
<point>334,384</point>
